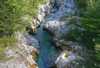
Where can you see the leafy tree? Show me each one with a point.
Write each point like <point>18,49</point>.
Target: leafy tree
<point>11,17</point>
<point>7,41</point>
<point>91,23</point>
<point>81,3</point>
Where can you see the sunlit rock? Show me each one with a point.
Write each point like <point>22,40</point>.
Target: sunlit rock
<point>65,58</point>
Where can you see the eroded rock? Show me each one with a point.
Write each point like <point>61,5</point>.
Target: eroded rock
<point>34,55</point>
<point>57,26</point>
<point>65,58</point>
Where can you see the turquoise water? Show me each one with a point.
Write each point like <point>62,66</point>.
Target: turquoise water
<point>48,53</point>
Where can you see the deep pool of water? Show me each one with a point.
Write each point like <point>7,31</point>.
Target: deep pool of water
<point>48,52</point>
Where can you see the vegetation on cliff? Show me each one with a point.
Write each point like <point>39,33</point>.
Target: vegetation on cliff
<point>86,29</point>
<point>11,18</point>
<point>89,18</point>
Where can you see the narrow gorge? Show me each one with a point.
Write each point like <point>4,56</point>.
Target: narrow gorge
<point>51,39</point>
<point>48,52</point>
<point>54,51</point>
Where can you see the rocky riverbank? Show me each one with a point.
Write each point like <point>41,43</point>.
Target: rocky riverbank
<point>21,56</point>
<point>43,10</point>
<point>73,54</point>
<point>25,53</point>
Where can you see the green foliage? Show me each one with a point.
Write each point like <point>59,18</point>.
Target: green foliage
<point>91,23</point>
<point>81,3</point>
<point>90,36</point>
<point>7,41</point>
<point>69,15</point>
<point>2,55</point>
<point>32,7</point>
<point>11,20</point>
<point>94,61</point>
<point>72,35</point>
<point>12,12</point>
<point>90,20</point>
<point>97,51</point>
<point>89,63</point>
<point>72,20</point>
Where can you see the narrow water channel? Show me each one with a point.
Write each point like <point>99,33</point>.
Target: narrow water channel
<point>48,53</point>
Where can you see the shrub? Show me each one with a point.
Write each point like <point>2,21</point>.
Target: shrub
<point>93,62</point>
<point>7,41</point>
<point>81,3</point>
<point>12,12</point>
<point>2,55</point>
<point>91,23</point>
<point>90,20</point>
<point>72,35</point>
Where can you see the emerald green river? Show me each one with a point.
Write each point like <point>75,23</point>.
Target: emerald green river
<point>48,52</point>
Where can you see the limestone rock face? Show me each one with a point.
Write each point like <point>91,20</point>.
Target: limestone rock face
<point>43,10</point>
<point>34,55</point>
<point>57,26</point>
<point>63,61</point>
<point>22,56</point>
<point>34,24</point>
<point>13,63</point>
<point>72,51</point>
<point>26,39</point>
